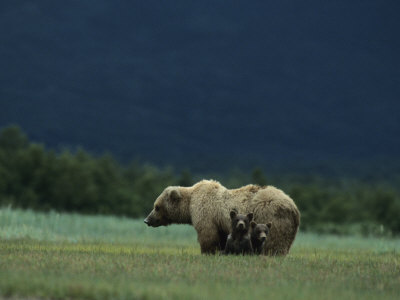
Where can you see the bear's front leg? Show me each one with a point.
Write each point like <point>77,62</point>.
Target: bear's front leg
<point>209,240</point>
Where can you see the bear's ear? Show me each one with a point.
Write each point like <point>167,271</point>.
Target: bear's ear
<point>175,195</point>
<point>233,213</point>
<point>253,224</point>
<point>250,216</point>
<point>269,225</point>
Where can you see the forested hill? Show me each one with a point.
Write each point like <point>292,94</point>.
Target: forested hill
<point>205,82</point>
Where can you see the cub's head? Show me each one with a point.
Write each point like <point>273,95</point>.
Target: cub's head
<point>166,208</point>
<point>260,231</point>
<point>240,223</point>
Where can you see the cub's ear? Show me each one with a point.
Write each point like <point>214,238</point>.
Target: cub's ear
<point>233,213</point>
<point>253,224</point>
<point>269,225</point>
<point>175,195</point>
<point>250,216</point>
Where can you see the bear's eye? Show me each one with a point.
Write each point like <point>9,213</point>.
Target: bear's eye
<point>156,208</point>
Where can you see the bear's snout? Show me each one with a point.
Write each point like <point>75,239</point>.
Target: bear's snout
<point>240,225</point>
<point>151,220</point>
<point>263,236</point>
<point>154,220</point>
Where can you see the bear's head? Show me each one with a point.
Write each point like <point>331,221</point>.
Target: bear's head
<point>240,223</point>
<point>167,208</point>
<point>260,231</point>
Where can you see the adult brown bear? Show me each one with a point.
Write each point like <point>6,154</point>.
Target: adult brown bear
<point>207,204</point>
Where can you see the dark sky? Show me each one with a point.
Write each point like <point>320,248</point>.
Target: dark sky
<point>204,82</point>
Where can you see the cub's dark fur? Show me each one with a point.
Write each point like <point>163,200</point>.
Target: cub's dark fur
<point>239,241</point>
<point>259,234</point>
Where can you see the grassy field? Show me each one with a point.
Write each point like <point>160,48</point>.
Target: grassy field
<point>56,256</point>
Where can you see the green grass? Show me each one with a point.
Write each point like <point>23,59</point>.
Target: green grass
<point>61,256</point>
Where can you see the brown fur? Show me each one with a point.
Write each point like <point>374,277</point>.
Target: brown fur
<point>239,240</point>
<point>206,205</point>
<point>259,235</point>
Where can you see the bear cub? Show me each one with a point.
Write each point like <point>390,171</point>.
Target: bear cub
<point>239,241</point>
<point>259,233</point>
